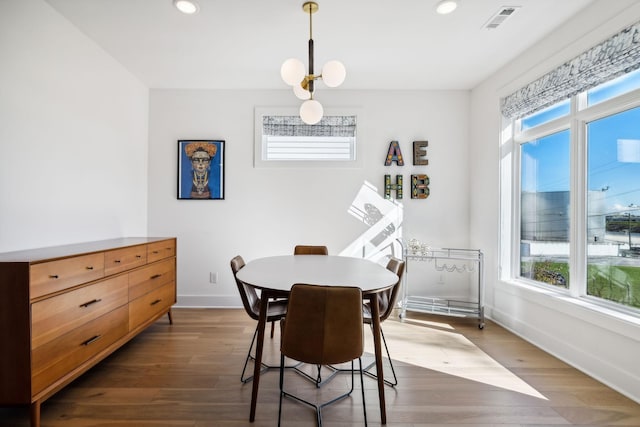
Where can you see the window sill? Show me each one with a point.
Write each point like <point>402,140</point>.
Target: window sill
<point>618,322</point>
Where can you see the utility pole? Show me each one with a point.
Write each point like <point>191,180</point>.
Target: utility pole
<point>629,217</point>
<point>632,205</point>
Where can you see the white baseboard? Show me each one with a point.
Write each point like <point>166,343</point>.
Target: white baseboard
<point>208,301</point>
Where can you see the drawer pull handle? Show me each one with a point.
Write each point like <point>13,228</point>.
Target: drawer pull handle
<point>88,303</point>
<point>117,261</point>
<point>155,252</point>
<point>92,340</point>
<point>90,267</point>
<point>155,276</point>
<point>138,256</point>
<point>53,276</point>
<point>155,302</point>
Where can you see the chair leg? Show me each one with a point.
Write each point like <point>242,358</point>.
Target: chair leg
<point>281,388</point>
<point>317,407</point>
<point>246,361</point>
<point>364,406</point>
<point>265,367</point>
<point>318,380</point>
<point>393,371</point>
<point>273,327</point>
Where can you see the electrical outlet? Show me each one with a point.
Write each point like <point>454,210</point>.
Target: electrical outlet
<point>213,278</point>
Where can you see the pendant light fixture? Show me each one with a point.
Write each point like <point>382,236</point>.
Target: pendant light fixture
<point>293,73</point>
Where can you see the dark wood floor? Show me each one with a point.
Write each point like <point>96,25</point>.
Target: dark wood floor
<point>450,374</point>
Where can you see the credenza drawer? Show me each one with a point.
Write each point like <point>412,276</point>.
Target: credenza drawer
<point>56,358</point>
<point>65,308</point>
<point>53,317</point>
<point>54,276</point>
<point>149,278</point>
<point>123,259</point>
<point>160,250</point>
<point>151,304</point>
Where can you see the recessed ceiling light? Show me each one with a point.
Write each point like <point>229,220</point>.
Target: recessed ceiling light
<point>446,6</point>
<point>188,7</point>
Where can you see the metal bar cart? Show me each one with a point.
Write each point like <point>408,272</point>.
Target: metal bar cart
<point>455,260</point>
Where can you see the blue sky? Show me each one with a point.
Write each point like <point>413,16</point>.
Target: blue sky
<point>613,151</point>
<point>608,167</point>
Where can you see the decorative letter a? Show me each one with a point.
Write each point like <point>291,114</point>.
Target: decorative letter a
<point>394,154</point>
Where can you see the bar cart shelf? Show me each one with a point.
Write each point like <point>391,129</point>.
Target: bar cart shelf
<point>450,260</point>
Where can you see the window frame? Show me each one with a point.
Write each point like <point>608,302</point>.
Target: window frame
<point>512,138</point>
<point>258,162</point>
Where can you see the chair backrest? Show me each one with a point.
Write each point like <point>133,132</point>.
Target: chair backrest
<point>310,250</point>
<point>323,324</point>
<point>387,300</point>
<point>248,294</point>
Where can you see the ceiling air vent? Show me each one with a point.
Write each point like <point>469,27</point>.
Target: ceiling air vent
<point>502,15</point>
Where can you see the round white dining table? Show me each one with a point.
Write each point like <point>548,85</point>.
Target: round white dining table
<point>275,275</point>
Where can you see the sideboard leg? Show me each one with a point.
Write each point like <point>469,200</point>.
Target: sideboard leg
<point>35,414</point>
<point>170,317</point>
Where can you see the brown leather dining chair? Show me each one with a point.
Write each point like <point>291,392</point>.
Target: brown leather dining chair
<point>313,250</point>
<point>310,250</point>
<point>251,302</point>
<point>386,303</point>
<point>324,326</point>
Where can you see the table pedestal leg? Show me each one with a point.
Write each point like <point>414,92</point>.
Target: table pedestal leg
<point>377,344</point>
<point>264,302</point>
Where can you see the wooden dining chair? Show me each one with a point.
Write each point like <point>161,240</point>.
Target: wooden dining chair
<point>251,302</point>
<point>324,326</point>
<point>386,303</point>
<point>310,250</point>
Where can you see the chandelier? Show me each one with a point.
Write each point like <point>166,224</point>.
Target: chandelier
<point>293,73</point>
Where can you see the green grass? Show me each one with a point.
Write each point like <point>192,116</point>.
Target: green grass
<point>620,284</point>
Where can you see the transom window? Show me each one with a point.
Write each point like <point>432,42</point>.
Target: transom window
<point>284,140</point>
<point>289,138</point>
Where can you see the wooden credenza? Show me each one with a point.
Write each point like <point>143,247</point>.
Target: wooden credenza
<point>63,309</point>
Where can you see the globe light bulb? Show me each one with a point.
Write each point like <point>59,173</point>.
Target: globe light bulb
<point>333,73</point>
<point>311,112</point>
<point>300,92</point>
<point>292,71</point>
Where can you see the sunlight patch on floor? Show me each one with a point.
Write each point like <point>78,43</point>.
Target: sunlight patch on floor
<point>438,347</point>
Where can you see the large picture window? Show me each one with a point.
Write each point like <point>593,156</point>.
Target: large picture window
<point>570,177</point>
<point>575,196</point>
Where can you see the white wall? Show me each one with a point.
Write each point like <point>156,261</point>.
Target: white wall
<point>269,210</point>
<point>603,346</point>
<point>73,167</point>
<point>73,135</point>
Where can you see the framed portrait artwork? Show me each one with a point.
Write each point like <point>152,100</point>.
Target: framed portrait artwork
<point>201,169</point>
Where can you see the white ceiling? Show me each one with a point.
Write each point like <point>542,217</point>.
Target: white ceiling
<point>384,44</point>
